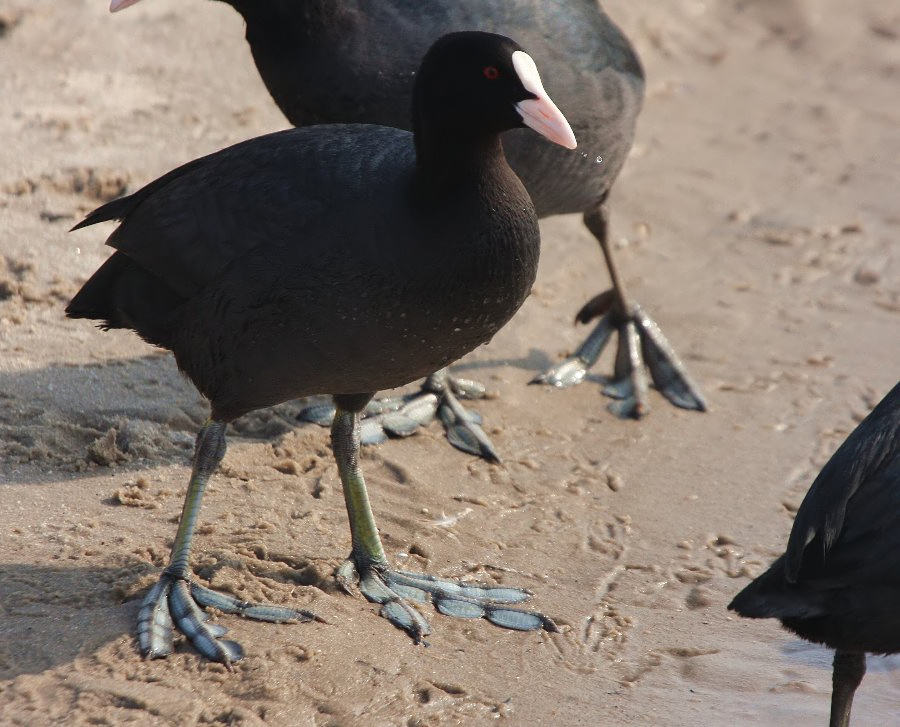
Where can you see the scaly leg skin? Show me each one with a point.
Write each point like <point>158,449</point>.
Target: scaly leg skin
<point>849,670</point>
<point>640,342</point>
<point>175,601</point>
<point>402,416</point>
<point>368,567</point>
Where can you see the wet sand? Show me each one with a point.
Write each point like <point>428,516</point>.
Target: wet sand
<point>756,221</point>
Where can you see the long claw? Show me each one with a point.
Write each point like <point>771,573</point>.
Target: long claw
<point>463,429</point>
<point>405,617</point>
<point>191,621</point>
<point>393,606</point>
<point>511,618</point>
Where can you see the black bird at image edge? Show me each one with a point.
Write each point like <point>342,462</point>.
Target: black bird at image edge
<point>838,583</point>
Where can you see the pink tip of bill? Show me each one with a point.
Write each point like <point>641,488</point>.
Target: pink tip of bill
<point>116,5</point>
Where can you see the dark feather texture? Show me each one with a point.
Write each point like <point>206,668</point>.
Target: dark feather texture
<point>340,61</point>
<point>303,261</point>
<point>839,581</point>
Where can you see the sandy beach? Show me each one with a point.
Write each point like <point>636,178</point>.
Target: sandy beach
<point>756,220</point>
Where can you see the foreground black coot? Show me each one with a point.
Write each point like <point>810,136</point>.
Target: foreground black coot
<point>838,584</point>
<point>339,61</point>
<point>340,260</point>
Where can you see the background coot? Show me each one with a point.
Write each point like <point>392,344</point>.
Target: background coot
<point>338,61</point>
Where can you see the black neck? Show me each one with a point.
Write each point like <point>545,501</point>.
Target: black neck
<point>445,162</point>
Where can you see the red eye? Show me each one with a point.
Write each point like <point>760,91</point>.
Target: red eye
<point>491,72</point>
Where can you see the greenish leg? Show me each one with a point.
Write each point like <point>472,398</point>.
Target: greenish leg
<point>208,453</point>
<point>175,601</point>
<point>367,549</point>
<point>368,566</point>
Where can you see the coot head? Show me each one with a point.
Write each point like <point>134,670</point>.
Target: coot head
<point>492,85</point>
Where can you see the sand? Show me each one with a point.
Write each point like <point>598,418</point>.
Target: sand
<point>757,221</point>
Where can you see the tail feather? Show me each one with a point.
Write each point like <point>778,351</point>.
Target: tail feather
<point>120,208</point>
<point>116,210</point>
<point>121,294</point>
<point>770,595</point>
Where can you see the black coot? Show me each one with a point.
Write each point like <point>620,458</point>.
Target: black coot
<point>340,260</point>
<point>838,584</point>
<point>339,61</point>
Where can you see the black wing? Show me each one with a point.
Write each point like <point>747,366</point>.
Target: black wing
<point>189,225</point>
<point>870,449</point>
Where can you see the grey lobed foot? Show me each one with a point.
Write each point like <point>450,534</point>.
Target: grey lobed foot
<point>642,347</point>
<point>393,589</point>
<point>175,603</point>
<point>403,416</point>
<point>462,426</point>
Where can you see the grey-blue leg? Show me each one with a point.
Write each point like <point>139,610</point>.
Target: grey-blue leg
<point>368,567</point>
<point>640,342</point>
<point>175,601</point>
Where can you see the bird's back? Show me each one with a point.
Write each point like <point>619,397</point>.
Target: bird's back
<point>349,67</point>
<point>301,262</point>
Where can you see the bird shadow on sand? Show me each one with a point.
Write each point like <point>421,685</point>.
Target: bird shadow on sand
<point>54,614</point>
<point>534,362</point>
<point>71,420</point>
